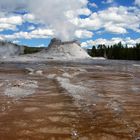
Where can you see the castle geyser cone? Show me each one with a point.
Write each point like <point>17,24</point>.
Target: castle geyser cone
<point>67,50</point>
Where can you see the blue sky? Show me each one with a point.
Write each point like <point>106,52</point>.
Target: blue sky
<point>92,22</point>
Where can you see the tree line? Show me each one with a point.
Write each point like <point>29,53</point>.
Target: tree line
<point>116,51</point>
<point>31,50</point>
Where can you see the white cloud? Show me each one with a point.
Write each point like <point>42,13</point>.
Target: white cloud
<point>88,23</point>
<point>15,41</point>
<point>29,17</point>
<point>38,33</point>
<point>72,14</point>
<point>115,29</point>
<point>62,18</point>
<point>51,13</point>
<point>114,19</point>
<point>84,11</point>
<point>30,28</point>
<point>1,38</point>
<point>45,33</point>
<point>54,13</point>
<point>82,34</point>
<point>93,5</point>
<point>137,2</point>
<point>130,42</point>
<point>107,1</point>
<point>138,40</point>
<point>10,22</point>
<point>41,45</point>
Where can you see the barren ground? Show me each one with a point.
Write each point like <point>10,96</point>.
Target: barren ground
<point>99,100</point>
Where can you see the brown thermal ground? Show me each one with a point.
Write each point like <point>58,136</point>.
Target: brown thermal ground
<point>70,101</point>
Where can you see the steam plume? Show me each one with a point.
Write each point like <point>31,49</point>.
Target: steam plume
<point>53,13</point>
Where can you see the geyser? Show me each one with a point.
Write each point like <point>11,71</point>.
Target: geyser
<point>8,49</point>
<point>67,50</point>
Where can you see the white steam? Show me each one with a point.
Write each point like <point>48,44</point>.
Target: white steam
<point>11,5</point>
<point>8,49</point>
<point>54,13</point>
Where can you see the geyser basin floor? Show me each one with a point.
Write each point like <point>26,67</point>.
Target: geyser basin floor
<point>95,101</point>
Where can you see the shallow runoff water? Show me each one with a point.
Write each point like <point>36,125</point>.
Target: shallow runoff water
<point>95,100</point>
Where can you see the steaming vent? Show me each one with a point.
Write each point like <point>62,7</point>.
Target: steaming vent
<point>8,49</point>
<point>56,41</point>
<point>66,50</point>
